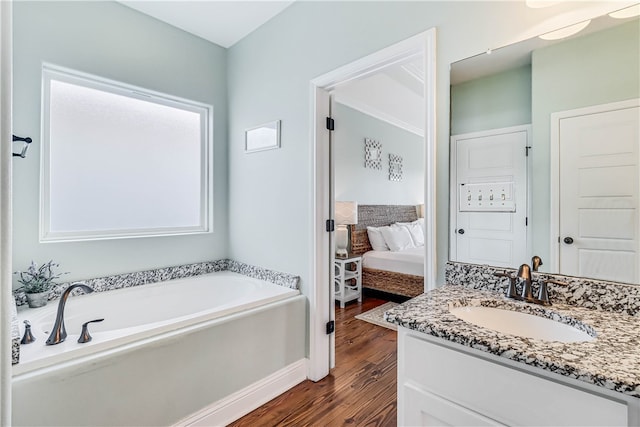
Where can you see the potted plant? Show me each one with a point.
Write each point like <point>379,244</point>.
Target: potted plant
<point>37,282</point>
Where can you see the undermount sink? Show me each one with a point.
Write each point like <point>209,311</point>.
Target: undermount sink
<point>520,324</point>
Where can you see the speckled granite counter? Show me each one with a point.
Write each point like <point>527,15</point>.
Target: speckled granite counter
<point>611,361</point>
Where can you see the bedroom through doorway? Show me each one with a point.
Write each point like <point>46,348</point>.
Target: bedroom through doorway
<point>378,188</point>
<point>378,179</point>
<point>322,306</point>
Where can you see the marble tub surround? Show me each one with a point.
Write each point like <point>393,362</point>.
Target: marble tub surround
<point>609,361</point>
<point>581,292</point>
<point>15,351</point>
<point>127,280</point>
<point>15,336</point>
<point>283,279</point>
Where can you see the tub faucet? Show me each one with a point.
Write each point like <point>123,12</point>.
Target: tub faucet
<point>59,333</point>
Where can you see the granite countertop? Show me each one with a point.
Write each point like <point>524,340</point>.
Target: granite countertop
<point>611,360</point>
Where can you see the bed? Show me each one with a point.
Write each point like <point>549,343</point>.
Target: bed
<point>400,273</point>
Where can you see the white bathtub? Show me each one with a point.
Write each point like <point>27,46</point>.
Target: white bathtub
<point>141,312</point>
<point>163,352</point>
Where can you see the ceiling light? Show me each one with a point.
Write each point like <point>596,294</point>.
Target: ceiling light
<point>537,4</point>
<point>628,12</point>
<point>566,31</point>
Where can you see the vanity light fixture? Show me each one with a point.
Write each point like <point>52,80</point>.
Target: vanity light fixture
<point>628,12</point>
<point>566,31</point>
<point>346,214</point>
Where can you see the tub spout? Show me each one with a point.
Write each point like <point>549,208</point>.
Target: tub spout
<point>59,333</point>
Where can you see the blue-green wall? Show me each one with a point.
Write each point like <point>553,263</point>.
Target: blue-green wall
<point>598,68</point>
<point>497,101</point>
<point>371,186</point>
<point>116,42</point>
<point>269,78</point>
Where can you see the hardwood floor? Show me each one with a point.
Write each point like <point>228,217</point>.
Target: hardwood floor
<point>360,391</point>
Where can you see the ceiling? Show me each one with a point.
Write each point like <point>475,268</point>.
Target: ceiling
<point>519,54</point>
<point>221,22</point>
<point>393,94</point>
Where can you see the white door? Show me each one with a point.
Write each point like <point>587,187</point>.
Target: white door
<point>491,197</point>
<point>598,192</point>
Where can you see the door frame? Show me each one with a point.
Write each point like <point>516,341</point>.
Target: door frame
<point>321,308</point>
<point>453,183</point>
<point>6,156</point>
<point>554,154</point>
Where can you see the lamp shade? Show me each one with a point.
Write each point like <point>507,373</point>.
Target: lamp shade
<point>346,213</point>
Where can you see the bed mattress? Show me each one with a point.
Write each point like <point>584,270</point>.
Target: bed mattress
<point>408,261</point>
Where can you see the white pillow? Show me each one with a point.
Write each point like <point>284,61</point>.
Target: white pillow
<point>397,238</point>
<point>377,239</point>
<point>415,230</point>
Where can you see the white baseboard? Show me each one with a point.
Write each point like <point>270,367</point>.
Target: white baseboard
<point>242,402</point>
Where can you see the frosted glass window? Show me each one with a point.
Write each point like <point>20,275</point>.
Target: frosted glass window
<point>121,161</point>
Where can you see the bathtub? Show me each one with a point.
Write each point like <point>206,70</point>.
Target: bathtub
<point>171,347</point>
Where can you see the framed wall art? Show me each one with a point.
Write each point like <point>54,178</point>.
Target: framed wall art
<point>263,137</point>
<point>395,167</point>
<point>372,154</point>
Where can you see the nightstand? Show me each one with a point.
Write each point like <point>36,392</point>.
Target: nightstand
<point>348,279</point>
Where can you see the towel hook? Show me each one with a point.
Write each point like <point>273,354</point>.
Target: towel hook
<point>26,141</point>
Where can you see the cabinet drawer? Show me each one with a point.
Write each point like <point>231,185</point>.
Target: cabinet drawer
<point>422,408</point>
<point>502,393</point>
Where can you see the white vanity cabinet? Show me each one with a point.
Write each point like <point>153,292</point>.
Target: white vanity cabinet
<point>442,383</point>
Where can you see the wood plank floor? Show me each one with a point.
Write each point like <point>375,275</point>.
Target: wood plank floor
<point>360,391</point>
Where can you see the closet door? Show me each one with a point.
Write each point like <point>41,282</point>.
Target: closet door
<point>598,189</point>
<point>491,197</point>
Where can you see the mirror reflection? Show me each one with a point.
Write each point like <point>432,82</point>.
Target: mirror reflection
<point>545,152</point>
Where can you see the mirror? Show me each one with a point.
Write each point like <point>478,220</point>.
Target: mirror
<point>545,152</point>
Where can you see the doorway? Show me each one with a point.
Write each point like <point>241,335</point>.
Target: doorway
<point>322,307</point>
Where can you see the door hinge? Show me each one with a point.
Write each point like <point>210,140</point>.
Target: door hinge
<point>526,221</point>
<point>527,148</point>
<point>331,124</point>
<point>330,225</point>
<point>331,327</point>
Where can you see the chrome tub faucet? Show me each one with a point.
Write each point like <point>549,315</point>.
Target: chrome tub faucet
<point>59,333</point>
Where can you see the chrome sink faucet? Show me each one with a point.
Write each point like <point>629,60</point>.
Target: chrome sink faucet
<point>59,333</point>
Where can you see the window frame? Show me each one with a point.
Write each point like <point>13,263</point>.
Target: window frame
<point>53,72</point>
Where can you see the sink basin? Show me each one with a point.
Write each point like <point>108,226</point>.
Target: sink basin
<point>520,324</point>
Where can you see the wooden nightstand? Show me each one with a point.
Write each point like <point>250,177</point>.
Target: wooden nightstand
<point>348,279</point>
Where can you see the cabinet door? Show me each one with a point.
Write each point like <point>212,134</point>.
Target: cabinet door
<point>513,397</point>
<point>422,408</point>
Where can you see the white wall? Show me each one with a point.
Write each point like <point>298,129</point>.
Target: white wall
<point>113,41</point>
<point>370,186</point>
<point>269,75</point>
